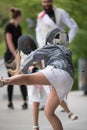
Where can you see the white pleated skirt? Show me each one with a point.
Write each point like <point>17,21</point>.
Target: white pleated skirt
<point>59,79</point>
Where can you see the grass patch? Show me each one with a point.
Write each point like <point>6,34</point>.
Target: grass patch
<point>2,49</point>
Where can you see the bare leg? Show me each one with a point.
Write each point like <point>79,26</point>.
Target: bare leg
<point>35,111</point>
<point>51,105</point>
<point>70,114</point>
<point>65,107</point>
<point>53,100</point>
<point>27,79</point>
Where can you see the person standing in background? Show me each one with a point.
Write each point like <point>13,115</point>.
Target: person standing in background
<point>12,32</point>
<point>49,18</point>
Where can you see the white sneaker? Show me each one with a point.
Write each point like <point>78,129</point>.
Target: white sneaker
<point>1,82</point>
<point>72,116</point>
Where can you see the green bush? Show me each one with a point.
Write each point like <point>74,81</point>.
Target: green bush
<point>2,49</point>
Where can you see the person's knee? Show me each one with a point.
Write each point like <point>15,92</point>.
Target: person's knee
<point>36,104</point>
<point>48,112</point>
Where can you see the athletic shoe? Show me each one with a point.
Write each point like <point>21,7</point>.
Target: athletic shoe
<point>10,106</point>
<point>41,108</point>
<point>24,106</point>
<point>72,116</point>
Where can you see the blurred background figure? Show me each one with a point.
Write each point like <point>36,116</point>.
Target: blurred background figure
<point>12,32</point>
<point>49,18</point>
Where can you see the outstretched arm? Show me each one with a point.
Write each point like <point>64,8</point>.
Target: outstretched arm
<point>15,80</point>
<point>27,79</point>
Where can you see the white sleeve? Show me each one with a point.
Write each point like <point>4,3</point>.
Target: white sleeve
<point>38,37</point>
<point>68,21</point>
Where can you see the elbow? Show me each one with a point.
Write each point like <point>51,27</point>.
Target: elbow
<point>76,28</point>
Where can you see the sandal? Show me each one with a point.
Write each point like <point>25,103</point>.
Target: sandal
<point>72,116</point>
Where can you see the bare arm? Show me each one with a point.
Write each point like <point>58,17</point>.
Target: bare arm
<point>27,79</point>
<point>15,80</point>
<point>10,43</point>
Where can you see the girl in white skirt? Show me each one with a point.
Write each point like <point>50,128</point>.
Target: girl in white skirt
<point>59,72</point>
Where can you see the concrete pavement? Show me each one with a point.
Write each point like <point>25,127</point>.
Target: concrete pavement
<point>18,119</point>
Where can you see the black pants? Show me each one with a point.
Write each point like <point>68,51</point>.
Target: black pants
<point>23,89</point>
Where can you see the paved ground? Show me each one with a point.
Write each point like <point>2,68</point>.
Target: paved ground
<point>18,119</point>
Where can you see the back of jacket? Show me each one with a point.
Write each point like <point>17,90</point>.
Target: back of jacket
<point>58,56</point>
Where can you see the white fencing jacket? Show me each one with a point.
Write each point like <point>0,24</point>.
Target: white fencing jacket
<point>45,24</point>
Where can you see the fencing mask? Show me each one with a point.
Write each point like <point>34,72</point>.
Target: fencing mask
<point>57,36</point>
<point>25,44</point>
